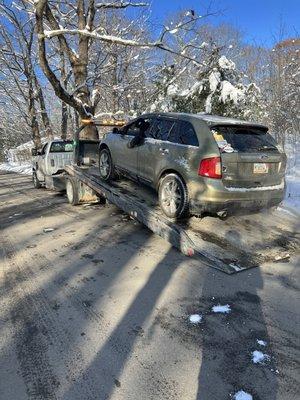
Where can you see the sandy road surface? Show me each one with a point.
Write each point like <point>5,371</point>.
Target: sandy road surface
<point>98,309</point>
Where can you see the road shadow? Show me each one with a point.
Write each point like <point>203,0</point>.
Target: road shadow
<point>229,339</point>
<point>109,362</point>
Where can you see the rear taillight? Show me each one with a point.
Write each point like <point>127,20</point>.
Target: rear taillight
<point>211,168</point>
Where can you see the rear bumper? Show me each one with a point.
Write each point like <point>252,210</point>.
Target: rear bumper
<point>233,207</point>
<point>216,198</point>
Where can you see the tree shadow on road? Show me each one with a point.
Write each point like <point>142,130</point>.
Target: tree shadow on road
<point>110,361</point>
<point>229,339</point>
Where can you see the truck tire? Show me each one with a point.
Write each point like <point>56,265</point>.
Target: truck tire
<point>173,196</point>
<point>36,183</point>
<point>72,191</point>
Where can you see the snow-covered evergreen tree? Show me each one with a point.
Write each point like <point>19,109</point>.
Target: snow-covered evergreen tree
<point>215,87</point>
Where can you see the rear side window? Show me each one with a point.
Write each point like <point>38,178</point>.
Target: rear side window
<point>183,133</point>
<point>61,147</point>
<point>243,139</point>
<point>161,129</point>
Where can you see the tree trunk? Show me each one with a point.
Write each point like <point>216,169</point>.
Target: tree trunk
<point>64,106</point>
<point>83,94</point>
<point>34,125</point>
<point>64,120</point>
<point>36,137</point>
<point>80,100</point>
<point>115,83</point>
<point>44,114</point>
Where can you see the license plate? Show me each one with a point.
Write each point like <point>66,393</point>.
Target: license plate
<point>260,168</point>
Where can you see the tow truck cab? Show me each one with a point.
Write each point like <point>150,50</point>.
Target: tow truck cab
<point>49,162</point>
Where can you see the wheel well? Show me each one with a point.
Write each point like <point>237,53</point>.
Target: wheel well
<point>166,172</point>
<point>103,146</point>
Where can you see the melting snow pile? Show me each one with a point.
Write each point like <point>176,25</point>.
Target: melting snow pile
<point>241,395</point>
<point>292,198</point>
<point>221,309</point>
<point>259,358</point>
<point>291,203</point>
<point>25,169</point>
<point>195,318</point>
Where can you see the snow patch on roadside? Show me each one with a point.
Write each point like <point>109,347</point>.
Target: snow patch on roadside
<point>24,169</point>
<point>241,395</point>
<point>195,319</point>
<point>259,358</point>
<point>291,202</point>
<point>261,342</point>
<point>225,309</point>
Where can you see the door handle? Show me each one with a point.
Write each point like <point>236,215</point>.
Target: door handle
<point>164,151</point>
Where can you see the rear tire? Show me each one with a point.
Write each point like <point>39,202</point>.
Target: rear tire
<point>36,183</point>
<point>173,196</point>
<point>106,167</point>
<point>72,191</point>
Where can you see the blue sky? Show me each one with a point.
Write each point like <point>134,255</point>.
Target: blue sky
<point>259,20</point>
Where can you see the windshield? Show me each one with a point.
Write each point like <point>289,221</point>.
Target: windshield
<point>243,139</point>
<point>61,147</point>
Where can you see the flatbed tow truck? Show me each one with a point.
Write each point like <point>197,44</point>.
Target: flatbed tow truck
<point>230,246</point>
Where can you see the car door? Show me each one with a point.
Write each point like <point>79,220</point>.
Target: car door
<point>125,158</point>
<point>154,153</point>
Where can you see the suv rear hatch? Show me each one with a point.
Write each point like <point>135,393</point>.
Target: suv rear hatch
<point>250,156</point>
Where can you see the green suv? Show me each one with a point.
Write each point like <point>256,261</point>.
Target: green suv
<point>198,163</point>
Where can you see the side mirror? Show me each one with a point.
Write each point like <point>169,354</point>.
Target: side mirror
<point>115,130</point>
<point>34,152</point>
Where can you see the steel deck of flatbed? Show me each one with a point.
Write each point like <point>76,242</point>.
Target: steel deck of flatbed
<point>142,209</point>
<point>230,246</point>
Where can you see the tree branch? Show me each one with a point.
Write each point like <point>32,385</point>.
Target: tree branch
<point>120,5</point>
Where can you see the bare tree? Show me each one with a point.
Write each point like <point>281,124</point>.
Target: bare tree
<point>76,26</point>
<point>17,62</point>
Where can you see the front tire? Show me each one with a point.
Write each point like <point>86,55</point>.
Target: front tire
<point>36,183</point>
<point>106,167</point>
<point>173,196</point>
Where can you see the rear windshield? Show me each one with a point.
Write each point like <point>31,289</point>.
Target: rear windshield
<point>61,147</point>
<point>243,139</point>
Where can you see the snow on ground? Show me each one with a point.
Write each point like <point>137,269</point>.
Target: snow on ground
<point>24,169</point>
<point>292,198</point>
<point>259,358</point>
<point>291,203</point>
<point>195,318</point>
<point>261,342</point>
<point>241,395</point>
<point>221,309</point>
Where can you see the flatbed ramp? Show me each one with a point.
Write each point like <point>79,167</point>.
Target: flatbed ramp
<point>230,246</point>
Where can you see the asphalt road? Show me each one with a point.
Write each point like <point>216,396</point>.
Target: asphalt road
<point>98,309</point>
